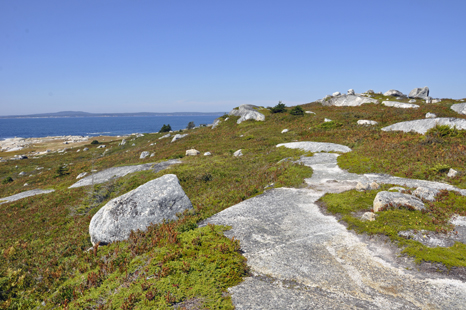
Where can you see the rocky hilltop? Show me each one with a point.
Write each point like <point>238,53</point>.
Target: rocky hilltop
<point>355,200</point>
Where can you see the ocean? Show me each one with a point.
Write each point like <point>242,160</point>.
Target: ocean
<point>94,126</point>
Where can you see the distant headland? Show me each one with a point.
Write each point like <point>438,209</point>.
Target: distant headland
<point>86,114</point>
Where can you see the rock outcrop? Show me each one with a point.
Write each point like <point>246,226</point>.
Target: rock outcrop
<point>459,108</point>
<point>366,122</point>
<point>247,112</point>
<point>153,202</point>
<point>347,101</point>
<point>423,125</point>
<point>401,105</point>
<point>22,195</point>
<point>178,136</point>
<point>421,93</point>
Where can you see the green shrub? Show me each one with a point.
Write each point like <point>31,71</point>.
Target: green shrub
<point>297,110</point>
<point>7,180</point>
<point>62,170</point>
<point>279,108</point>
<point>95,142</point>
<point>165,128</point>
<point>440,131</point>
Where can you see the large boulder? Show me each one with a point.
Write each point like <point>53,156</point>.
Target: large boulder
<point>459,108</point>
<point>386,199</point>
<point>394,93</point>
<point>421,93</point>
<point>347,101</point>
<point>246,112</point>
<point>423,125</point>
<point>151,203</point>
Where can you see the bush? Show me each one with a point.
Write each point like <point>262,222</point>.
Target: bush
<point>62,170</point>
<point>165,128</point>
<point>190,125</point>
<point>297,110</point>
<point>441,131</point>
<point>7,180</point>
<point>279,108</point>
<point>95,142</point>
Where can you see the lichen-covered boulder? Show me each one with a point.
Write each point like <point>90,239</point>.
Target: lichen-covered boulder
<point>421,93</point>
<point>153,202</point>
<point>386,199</point>
<point>246,112</point>
<point>394,93</point>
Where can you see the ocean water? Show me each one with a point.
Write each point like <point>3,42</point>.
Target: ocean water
<point>94,126</point>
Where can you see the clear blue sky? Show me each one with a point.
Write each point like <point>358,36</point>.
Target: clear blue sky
<point>173,56</point>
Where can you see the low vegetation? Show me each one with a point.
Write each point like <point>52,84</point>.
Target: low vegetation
<point>47,259</point>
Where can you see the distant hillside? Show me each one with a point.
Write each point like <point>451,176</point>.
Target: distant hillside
<point>86,114</point>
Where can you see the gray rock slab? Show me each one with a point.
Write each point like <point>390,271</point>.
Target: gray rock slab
<point>426,193</point>
<point>400,105</point>
<point>348,101</point>
<point>118,172</point>
<point>423,125</point>
<point>247,112</point>
<point>366,122</point>
<point>459,108</point>
<point>433,239</point>
<point>153,202</point>
<point>287,240</point>
<point>25,194</point>
<point>316,146</point>
<point>421,93</point>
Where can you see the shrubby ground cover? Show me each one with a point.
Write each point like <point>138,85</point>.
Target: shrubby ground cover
<point>46,255</point>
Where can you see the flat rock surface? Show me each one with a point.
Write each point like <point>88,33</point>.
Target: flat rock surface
<point>459,107</point>
<point>25,194</point>
<point>400,105</point>
<point>118,172</point>
<point>303,259</point>
<point>423,125</point>
<point>316,146</point>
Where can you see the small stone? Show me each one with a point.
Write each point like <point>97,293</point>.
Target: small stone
<point>152,154</point>
<point>366,122</point>
<point>207,154</point>
<point>452,173</point>
<point>374,185</point>
<point>101,146</point>
<point>178,136</point>
<point>192,152</point>
<point>337,93</point>
<point>368,216</point>
<point>326,120</point>
<point>310,112</point>
<point>144,155</point>
<point>25,184</point>
<point>412,101</point>
<point>362,186</point>
<point>430,115</point>
<point>78,151</point>
<point>22,173</point>
<point>123,142</point>
<point>238,153</point>
<point>370,91</point>
<point>428,100</point>
<point>284,130</point>
<point>436,100</point>
<point>85,149</point>
<point>426,193</point>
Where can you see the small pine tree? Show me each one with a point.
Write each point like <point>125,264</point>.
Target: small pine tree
<point>7,180</point>
<point>166,128</point>
<point>95,142</point>
<point>62,170</point>
<point>190,125</point>
<point>279,108</point>
<point>297,110</point>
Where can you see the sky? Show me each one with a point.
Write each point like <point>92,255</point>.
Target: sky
<point>210,56</point>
